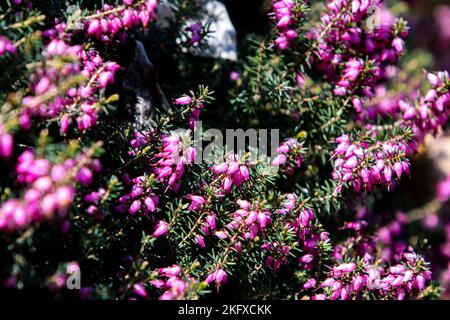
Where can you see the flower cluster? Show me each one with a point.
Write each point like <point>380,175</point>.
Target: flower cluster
<point>107,23</point>
<point>354,280</point>
<point>289,156</point>
<point>308,236</point>
<point>277,254</point>
<point>49,80</point>
<point>354,58</point>
<point>94,199</point>
<point>140,199</point>
<point>375,266</point>
<point>246,223</point>
<point>192,105</point>
<point>170,280</point>
<point>172,160</point>
<point>381,105</point>
<point>231,172</point>
<point>50,188</point>
<point>430,112</point>
<point>54,97</point>
<point>286,13</point>
<point>364,164</point>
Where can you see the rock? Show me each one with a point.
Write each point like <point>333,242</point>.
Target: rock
<point>142,92</point>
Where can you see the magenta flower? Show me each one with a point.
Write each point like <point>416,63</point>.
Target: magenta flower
<point>309,284</point>
<point>184,100</point>
<point>160,229</point>
<point>200,241</point>
<point>6,145</point>
<point>139,289</point>
<point>135,206</point>
<point>6,46</point>
<point>220,276</point>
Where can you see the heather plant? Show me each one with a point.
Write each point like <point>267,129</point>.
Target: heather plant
<point>98,179</point>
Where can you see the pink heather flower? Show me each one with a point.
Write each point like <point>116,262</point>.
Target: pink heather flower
<point>398,269</point>
<point>172,271</point>
<point>105,78</point>
<point>358,283</point>
<point>301,80</point>
<point>351,163</point>
<point>244,204</point>
<point>346,267</point>
<point>64,196</point>
<point>305,217</point>
<point>135,206</point>
<point>279,160</point>
<point>344,294</point>
<point>94,27</point>
<point>291,34</point>
<point>227,184</point>
<point>160,229</point>
<point>244,172</point>
<point>151,203</point>
<point>433,79</point>
<point>6,145</point>
<point>127,18</point>
<point>420,282</point>
<point>340,91</point>
<point>43,184</point>
<point>220,168</point>
<point>233,167</point>
<point>197,202</point>
<point>307,258</point>
<point>284,22</point>
<point>184,100</point>
<point>309,284</point>
<point>221,235</point>
<point>84,176</point>
<point>397,43</point>
<point>48,205</point>
<point>64,123</point>
<point>409,274</point>
<point>324,236</point>
<point>352,69</point>
<point>42,86</point>
<point>139,289</point>
<point>282,43</point>
<point>200,241</point>
<point>6,46</point>
<point>357,104</point>
<point>234,76</point>
<point>191,154</point>
<point>220,276</point>
<point>211,221</point>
